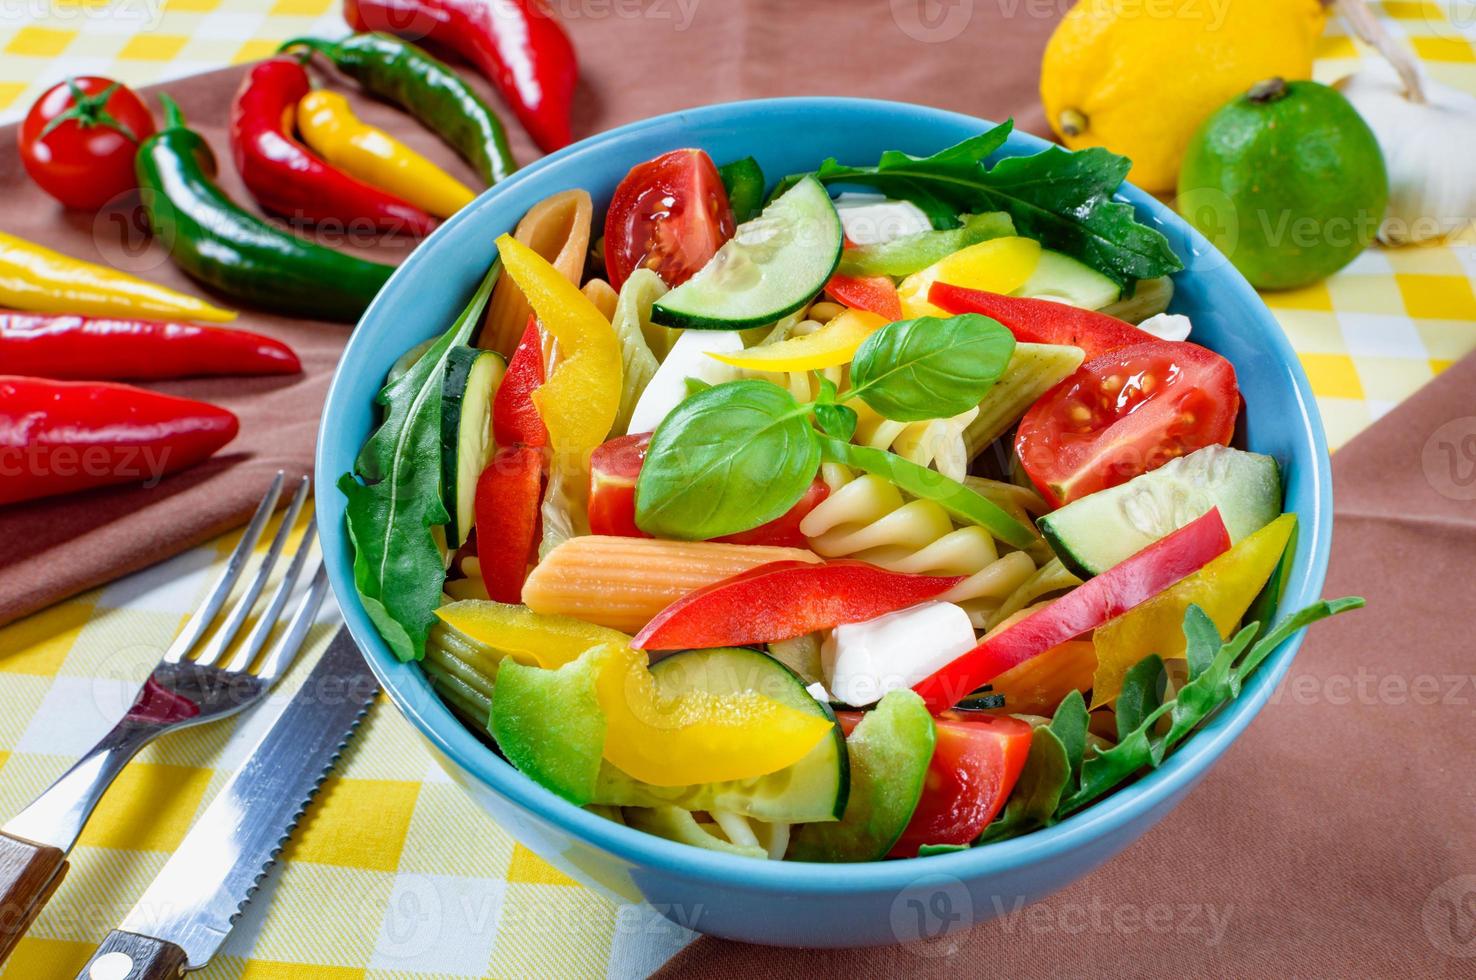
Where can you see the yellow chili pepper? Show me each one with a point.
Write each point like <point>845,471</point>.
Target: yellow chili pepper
<point>696,736</point>
<point>38,279</point>
<point>526,636</point>
<point>369,153</point>
<point>1224,589</point>
<point>831,345</point>
<point>1000,265</point>
<point>581,397</point>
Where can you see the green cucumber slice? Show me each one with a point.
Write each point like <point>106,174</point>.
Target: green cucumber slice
<point>890,749</point>
<point>1063,279</point>
<point>470,381</point>
<point>1033,370</point>
<point>772,266</point>
<point>1094,533</point>
<point>813,789</point>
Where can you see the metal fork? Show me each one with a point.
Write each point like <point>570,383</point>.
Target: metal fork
<point>181,692</point>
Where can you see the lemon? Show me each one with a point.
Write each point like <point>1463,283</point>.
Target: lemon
<point>1138,76</point>
<point>1288,181</point>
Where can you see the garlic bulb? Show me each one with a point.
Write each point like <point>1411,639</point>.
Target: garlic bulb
<point>1428,148</point>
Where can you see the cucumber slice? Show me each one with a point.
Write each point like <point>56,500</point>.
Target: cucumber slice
<point>814,788</point>
<point>470,382</point>
<point>890,749</point>
<point>1063,279</point>
<point>1033,370</point>
<point>1094,533</point>
<point>1150,298</point>
<point>772,266</point>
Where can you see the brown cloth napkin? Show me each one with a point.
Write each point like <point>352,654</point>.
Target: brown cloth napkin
<point>1337,837</point>
<point>637,59</point>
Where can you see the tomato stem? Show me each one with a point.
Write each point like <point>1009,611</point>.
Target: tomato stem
<point>89,110</point>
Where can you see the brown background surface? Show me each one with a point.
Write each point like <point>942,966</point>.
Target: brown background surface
<point>635,61</point>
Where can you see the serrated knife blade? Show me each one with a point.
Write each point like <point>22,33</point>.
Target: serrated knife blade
<point>187,913</point>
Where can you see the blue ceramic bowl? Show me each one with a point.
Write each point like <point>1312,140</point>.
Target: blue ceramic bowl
<point>783,903</point>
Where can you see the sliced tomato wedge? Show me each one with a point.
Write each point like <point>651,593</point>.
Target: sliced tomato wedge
<point>669,214</point>
<point>614,468</point>
<point>1125,413</point>
<point>976,762</point>
<point>1041,321</point>
<point>874,294</point>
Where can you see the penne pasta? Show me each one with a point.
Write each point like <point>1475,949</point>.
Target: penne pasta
<point>623,582</point>
<point>603,296</point>
<point>558,229</point>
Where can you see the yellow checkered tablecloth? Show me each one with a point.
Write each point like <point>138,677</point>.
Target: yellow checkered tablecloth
<point>395,873</point>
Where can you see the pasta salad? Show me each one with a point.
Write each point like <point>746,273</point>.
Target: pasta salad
<point>879,512</point>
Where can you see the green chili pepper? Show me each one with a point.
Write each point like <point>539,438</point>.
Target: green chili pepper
<point>425,87</point>
<point>213,239</point>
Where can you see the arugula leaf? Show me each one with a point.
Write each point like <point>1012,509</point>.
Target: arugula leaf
<point>913,253</point>
<point>1069,725</point>
<point>398,565</point>
<point>919,481</point>
<point>1141,694</point>
<point>1202,640</point>
<point>1060,198</point>
<point>1300,619</point>
<point>927,850</point>
<point>1033,801</point>
<point>930,368</point>
<point>727,459</point>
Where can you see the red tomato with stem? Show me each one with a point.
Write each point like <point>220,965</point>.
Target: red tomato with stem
<point>976,762</point>
<point>79,140</point>
<point>1125,413</point>
<point>669,214</point>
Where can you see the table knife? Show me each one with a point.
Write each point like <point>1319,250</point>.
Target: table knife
<point>187,913</point>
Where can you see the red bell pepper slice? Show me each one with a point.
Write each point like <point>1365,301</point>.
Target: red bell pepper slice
<point>874,294</point>
<point>515,419</point>
<point>1084,608</point>
<point>614,468</point>
<point>1041,321</point>
<point>786,599</point>
<point>289,179</point>
<point>61,436</point>
<point>976,763</point>
<point>65,346</point>
<point>508,494</point>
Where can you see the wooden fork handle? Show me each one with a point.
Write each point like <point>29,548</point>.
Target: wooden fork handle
<point>29,873</point>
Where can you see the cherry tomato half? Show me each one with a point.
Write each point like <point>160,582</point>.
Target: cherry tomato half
<point>976,762</point>
<point>1125,413</point>
<point>669,214</point>
<point>79,140</point>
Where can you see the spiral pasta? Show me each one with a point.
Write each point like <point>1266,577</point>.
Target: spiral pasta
<point>867,518</point>
<point>938,443</point>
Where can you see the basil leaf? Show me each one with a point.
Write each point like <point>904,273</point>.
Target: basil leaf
<point>1037,793</point>
<point>1141,694</point>
<point>727,459</point>
<point>836,420</point>
<point>930,368</point>
<point>827,393</point>
<point>398,566</point>
<point>913,253</point>
<point>1061,199</point>
<point>694,385</point>
<point>919,481</point>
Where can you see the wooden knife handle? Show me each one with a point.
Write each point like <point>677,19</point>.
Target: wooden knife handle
<point>29,873</point>
<point>129,956</point>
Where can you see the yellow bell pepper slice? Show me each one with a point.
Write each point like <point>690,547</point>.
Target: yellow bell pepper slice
<point>42,281</point>
<point>579,401</point>
<point>832,345</point>
<point>695,737</point>
<point>1000,265</point>
<point>369,153</point>
<point>524,635</point>
<point>1224,589</point>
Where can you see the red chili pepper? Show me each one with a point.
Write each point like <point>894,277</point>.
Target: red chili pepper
<point>1042,321</point>
<point>518,45</point>
<point>785,599</point>
<point>289,179</point>
<point>515,419</point>
<point>60,436</point>
<point>875,294</point>
<point>1089,605</point>
<point>84,347</point>
<point>508,495</point>
<point>614,468</point>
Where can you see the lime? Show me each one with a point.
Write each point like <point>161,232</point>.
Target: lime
<point>1286,180</point>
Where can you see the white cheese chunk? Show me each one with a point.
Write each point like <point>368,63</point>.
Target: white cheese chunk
<point>869,219</point>
<point>1167,326</point>
<point>687,359</point>
<point>863,661</point>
